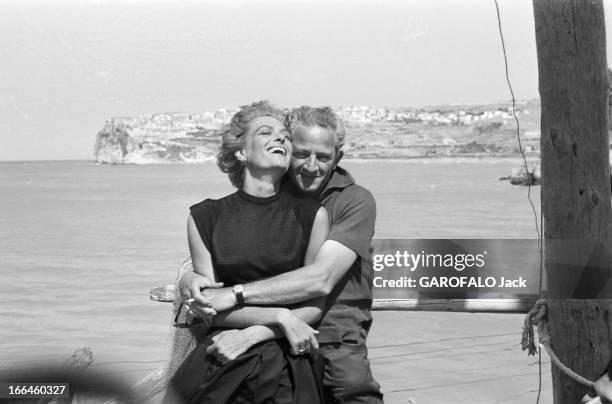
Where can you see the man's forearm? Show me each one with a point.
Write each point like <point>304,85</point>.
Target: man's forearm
<point>305,283</point>
<point>308,282</point>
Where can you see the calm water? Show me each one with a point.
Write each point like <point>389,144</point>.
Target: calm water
<point>81,245</point>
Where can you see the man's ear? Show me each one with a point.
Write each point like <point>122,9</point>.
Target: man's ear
<point>338,158</point>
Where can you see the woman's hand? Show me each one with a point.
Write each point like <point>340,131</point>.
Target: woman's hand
<point>300,335</point>
<point>191,285</point>
<point>229,344</point>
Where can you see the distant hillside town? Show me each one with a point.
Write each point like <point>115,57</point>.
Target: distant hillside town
<point>372,132</point>
<point>434,116</point>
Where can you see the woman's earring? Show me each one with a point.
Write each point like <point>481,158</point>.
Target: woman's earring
<point>240,156</point>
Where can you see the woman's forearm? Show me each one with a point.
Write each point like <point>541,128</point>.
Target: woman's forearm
<point>261,333</point>
<point>250,315</point>
<point>310,314</point>
<point>300,336</point>
<point>247,316</point>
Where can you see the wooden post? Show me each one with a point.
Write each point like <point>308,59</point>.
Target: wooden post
<point>571,46</point>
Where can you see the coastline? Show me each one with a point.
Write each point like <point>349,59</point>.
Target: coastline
<point>468,131</point>
<point>485,158</point>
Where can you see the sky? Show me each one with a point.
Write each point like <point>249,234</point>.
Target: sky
<point>68,66</point>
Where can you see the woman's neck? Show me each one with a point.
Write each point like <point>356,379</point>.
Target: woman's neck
<point>261,186</point>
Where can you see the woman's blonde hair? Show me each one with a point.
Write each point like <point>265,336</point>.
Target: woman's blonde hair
<point>233,138</point>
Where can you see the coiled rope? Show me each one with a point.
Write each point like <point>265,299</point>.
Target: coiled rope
<point>538,316</point>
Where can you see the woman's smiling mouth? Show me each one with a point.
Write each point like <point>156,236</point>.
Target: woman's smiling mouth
<point>277,150</point>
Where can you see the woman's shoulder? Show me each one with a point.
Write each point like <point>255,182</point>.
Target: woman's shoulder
<point>210,204</point>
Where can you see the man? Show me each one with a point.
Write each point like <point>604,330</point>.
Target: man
<point>317,138</point>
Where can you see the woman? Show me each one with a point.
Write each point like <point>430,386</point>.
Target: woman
<point>256,232</point>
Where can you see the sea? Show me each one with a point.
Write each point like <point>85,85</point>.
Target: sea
<point>82,244</point>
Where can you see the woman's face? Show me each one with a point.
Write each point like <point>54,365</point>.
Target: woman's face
<point>266,144</point>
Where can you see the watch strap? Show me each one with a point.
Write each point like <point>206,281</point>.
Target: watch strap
<point>239,293</point>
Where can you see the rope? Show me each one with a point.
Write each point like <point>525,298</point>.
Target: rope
<point>535,214</point>
<point>538,316</point>
<point>518,126</point>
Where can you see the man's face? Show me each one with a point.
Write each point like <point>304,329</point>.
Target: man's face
<point>313,159</point>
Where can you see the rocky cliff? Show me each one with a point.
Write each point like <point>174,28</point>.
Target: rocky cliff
<point>442,131</point>
<point>159,138</point>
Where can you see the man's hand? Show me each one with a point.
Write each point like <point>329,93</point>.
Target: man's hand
<point>191,285</point>
<point>220,299</point>
<point>209,301</point>
<point>301,336</point>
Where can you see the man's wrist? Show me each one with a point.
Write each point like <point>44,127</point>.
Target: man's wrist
<point>231,297</point>
<point>245,293</point>
<point>238,291</point>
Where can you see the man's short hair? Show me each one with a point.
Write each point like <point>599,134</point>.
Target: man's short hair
<point>323,117</point>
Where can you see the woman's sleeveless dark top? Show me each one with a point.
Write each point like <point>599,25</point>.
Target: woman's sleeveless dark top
<point>251,238</point>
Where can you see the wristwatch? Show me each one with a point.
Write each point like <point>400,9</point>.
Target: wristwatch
<point>239,293</point>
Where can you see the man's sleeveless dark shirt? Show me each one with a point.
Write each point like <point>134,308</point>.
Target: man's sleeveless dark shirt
<point>251,238</point>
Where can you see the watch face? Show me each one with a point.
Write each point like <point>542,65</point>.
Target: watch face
<point>238,289</point>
